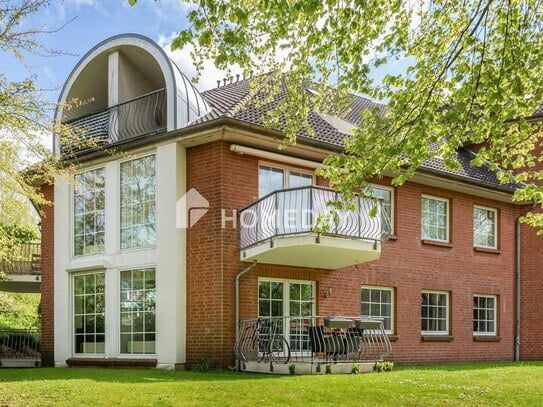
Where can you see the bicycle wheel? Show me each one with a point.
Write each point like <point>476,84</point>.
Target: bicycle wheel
<point>279,350</point>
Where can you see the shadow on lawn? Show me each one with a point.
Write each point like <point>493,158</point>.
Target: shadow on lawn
<point>452,367</point>
<point>120,375</point>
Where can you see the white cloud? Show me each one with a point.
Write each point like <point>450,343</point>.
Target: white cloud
<point>183,59</point>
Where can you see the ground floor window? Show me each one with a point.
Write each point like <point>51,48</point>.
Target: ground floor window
<point>378,302</point>
<point>484,314</point>
<point>435,313</point>
<point>138,311</point>
<point>89,313</point>
<point>292,303</point>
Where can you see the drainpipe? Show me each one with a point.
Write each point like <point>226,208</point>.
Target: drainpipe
<point>518,281</point>
<point>238,277</point>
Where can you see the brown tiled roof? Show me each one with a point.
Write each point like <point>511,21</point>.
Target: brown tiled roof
<point>233,101</point>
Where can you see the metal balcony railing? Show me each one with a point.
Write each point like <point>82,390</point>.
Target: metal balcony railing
<point>20,344</point>
<point>313,339</point>
<point>23,259</point>
<point>296,211</point>
<point>141,116</point>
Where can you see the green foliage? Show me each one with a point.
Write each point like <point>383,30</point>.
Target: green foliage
<point>328,369</point>
<point>202,366</point>
<point>19,234</point>
<point>19,311</point>
<point>472,76</point>
<point>24,119</point>
<point>384,366</point>
<point>355,369</point>
<point>292,369</point>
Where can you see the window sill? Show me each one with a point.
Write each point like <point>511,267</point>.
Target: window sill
<point>437,338</point>
<point>484,338</point>
<point>393,338</point>
<point>436,243</point>
<point>487,250</point>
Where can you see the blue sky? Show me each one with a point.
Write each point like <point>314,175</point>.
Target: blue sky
<point>93,21</point>
<point>87,22</point>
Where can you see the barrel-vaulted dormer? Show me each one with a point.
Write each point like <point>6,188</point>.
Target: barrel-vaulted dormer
<point>125,88</point>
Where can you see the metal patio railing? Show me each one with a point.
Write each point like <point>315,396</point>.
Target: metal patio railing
<point>141,116</point>
<point>23,259</point>
<point>20,344</point>
<point>312,340</point>
<point>296,211</point>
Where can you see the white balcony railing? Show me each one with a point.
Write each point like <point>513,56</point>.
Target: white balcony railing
<point>137,117</point>
<point>305,210</point>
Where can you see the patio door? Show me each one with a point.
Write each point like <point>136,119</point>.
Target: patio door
<point>292,302</point>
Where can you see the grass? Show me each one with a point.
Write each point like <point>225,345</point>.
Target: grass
<point>18,310</point>
<point>481,384</point>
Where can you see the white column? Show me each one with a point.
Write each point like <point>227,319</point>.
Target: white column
<point>113,93</point>
<point>62,298</point>
<point>171,263</point>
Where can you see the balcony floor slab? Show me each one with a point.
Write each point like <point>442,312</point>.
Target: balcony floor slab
<point>325,252</point>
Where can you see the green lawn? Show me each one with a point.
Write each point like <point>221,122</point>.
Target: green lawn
<point>483,384</point>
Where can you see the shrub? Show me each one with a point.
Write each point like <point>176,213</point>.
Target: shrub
<point>384,366</point>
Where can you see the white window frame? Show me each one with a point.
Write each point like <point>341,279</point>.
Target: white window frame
<point>447,314</point>
<point>392,203</point>
<point>286,306</point>
<point>392,303</point>
<point>448,220</point>
<point>486,208</point>
<point>72,211</point>
<point>119,207</point>
<point>117,310</point>
<point>495,316</point>
<point>286,172</point>
<point>72,315</point>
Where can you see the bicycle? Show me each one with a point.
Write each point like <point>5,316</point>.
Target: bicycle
<point>261,342</point>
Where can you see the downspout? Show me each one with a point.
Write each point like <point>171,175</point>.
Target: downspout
<point>238,277</point>
<point>518,281</point>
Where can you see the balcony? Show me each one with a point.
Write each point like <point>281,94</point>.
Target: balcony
<point>297,227</point>
<point>273,344</point>
<point>22,268</point>
<point>139,117</point>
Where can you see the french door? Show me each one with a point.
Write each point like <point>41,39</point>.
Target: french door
<point>293,303</point>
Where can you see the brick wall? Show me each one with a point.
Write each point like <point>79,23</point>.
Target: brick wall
<point>531,342</point>
<point>230,181</point>
<point>47,278</point>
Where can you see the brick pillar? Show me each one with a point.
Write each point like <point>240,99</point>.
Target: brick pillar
<point>47,278</point>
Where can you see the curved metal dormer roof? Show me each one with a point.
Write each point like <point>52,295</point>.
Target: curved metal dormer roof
<point>147,68</point>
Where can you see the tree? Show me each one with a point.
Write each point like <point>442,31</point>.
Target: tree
<point>472,75</point>
<point>24,118</point>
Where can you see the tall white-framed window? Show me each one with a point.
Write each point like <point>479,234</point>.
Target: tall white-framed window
<point>378,302</point>
<point>484,314</point>
<point>138,203</point>
<point>89,212</point>
<point>485,227</point>
<point>272,178</point>
<point>387,196</point>
<point>89,313</point>
<point>434,310</point>
<point>293,301</point>
<point>435,218</point>
<point>138,311</point>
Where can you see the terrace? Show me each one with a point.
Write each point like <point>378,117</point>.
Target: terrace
<point>273,344</point>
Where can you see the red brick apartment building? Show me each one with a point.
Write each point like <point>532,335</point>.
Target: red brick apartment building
<point>197,241</point>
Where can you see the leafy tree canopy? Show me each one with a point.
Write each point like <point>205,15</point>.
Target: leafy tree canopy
<point>473,75</point>
<point>24,120</point>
